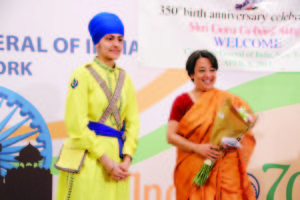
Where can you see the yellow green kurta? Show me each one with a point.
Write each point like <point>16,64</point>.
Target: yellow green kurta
<point>86,102</point>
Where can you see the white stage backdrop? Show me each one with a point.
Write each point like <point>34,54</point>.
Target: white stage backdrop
<point>259,35</point>
<point>42,42</point>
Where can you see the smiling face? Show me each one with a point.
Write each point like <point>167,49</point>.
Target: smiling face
<point>204,74</point>
<point>110,47</point>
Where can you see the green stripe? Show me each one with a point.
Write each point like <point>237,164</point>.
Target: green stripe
<point>273,91</point>
<point>151,144</point>
<point>53,169</point>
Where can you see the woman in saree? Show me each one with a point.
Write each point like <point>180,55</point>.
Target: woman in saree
<point>190,124</point>
<point>102,121</point>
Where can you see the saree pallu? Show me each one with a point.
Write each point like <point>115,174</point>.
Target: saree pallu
<point>228,179</point>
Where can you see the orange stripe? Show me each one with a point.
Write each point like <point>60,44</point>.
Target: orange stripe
<point>148,96</point>
<point>161,87</point>
<point>57,130</point>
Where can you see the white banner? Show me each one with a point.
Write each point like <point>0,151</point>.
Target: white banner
<point>255,35</point>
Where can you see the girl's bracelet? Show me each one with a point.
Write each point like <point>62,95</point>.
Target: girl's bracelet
<point>112,169</point>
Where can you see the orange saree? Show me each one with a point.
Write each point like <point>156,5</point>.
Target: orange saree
<point>228,179</point>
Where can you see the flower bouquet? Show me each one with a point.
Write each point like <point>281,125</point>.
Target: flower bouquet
<point>230,123</point>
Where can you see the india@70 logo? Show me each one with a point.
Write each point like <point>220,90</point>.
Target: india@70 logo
<point>25,150</point>
<point>255,184</point>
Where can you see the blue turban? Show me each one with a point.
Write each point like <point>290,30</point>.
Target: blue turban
<point>105,23</point>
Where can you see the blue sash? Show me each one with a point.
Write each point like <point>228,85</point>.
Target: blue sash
<point>103,130</point>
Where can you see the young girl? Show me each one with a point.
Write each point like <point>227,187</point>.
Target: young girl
<point>102,121</point>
